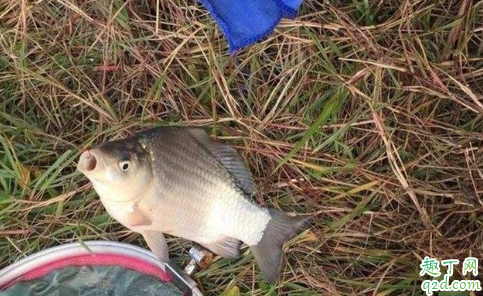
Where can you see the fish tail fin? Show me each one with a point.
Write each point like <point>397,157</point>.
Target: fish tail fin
<point>268,252</point>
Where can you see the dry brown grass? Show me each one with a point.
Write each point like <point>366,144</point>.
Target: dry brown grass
<point>368,116</point>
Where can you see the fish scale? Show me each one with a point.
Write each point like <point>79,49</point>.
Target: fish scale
<point>180,166</point>
<point>231,202</point>
<point>205,182</point>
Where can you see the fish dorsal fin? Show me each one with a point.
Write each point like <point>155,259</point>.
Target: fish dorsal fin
<point>228,157</point>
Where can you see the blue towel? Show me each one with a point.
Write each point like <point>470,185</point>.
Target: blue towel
<point>244,22</point>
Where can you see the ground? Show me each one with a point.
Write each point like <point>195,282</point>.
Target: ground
<point>365,114</point>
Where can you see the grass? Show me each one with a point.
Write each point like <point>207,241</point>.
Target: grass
<point>365,114</point>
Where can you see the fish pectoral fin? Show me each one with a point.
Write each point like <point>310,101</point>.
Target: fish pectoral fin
<point>227,247</point>
<point>157,244</point>
<point>138,219</point>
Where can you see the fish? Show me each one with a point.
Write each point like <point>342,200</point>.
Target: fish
<point>179,181</point>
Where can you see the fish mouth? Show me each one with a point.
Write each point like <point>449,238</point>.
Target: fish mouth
<point>87,162</point>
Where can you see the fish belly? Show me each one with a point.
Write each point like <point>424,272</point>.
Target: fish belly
<point>207,219</point>
<point>234,216</point>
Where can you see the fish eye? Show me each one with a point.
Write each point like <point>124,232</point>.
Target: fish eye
<point>124,165</point>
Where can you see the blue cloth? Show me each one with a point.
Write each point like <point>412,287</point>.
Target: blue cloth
<point>244,22</point>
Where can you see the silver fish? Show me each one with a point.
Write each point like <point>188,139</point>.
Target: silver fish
<point>180,182</point>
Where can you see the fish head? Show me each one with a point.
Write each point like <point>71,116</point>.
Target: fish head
<point>119,170</point>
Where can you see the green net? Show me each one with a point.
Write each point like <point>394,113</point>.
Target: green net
<point>93,281</point>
